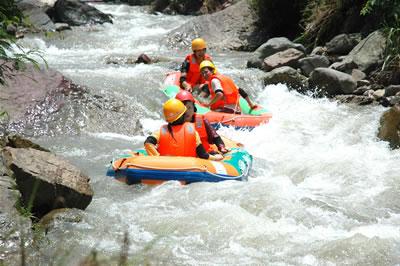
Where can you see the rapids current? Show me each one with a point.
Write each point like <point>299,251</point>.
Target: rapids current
<point>323,190</point>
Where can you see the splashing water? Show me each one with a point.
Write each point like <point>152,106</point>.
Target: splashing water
<point>323,190</point>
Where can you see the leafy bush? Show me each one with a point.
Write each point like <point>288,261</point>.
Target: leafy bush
<point>12,55</point>
<point>388,11</point>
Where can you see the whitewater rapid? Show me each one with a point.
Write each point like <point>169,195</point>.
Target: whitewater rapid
<point>323,189</point>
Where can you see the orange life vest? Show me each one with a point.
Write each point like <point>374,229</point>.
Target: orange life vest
<point>182,143</point>
<point>193,77</point>
<point>201,129</point>
<point>231,91</point>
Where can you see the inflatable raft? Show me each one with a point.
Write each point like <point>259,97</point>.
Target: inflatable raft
<point>248,119</point>
<point>137,167</point>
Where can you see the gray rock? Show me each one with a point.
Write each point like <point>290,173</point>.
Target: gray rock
<point>394,100</point>
<point>363,82</point>
<point>319,50</point>
<point>308,64</point>
<point>286,75</point>
<point>358,74</point>
<point>76,13</point>
<point>332,82</point>
<point>233,28</point>
<point>369,53</point>
<point>271,47</point>
<point>344,66</point>
<point>289,57</point>
<point>342,43</point>
<point>378,94</point>
<point>361,90</point>
<point>36,13</point>
<point>354,99</point>
<point>389,129</point>
<point>47,180</point>
<point>392,90</point>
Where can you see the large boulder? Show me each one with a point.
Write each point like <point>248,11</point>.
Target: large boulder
<point>286,75</point>
<point>76,13</point>
<point>369,53</point>
<point>342,43</point>
<point>46,181</point>
<point>289,57</point>
<point>308,64</point>
<point>272,46</point>
<point>233,28</point>
<point>390,126</point>
<point>331,82</point>
<point>35,11</point>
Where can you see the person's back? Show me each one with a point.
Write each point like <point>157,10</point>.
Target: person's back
<point>177,140</point>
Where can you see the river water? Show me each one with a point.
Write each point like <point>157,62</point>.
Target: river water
<point>323,190</point>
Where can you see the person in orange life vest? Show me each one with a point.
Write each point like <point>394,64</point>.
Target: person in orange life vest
<point>207,133</point>
<point>190,71</point>
<point>224,92</point>
<point>177,138</point>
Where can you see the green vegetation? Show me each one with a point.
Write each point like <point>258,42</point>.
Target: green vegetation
<point>314,22</point>
<point>12,55</point>
<point>388,11</point>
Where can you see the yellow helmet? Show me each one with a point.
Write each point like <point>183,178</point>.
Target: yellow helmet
<point>207,63</point>
<point>198,44</point>
<point>173,110</point>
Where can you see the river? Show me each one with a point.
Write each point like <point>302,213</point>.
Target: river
<point>323,190</point>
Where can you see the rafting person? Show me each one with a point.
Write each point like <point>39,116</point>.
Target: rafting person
<point>223,90</point>
<point>190,70</point>
<point>207,133</point>
<point>177,138</point>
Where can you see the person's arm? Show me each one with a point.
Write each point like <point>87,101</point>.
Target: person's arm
<point>203,154</point>
<point>247,98</point>
<point>213,137</point>
<point>184,70</point>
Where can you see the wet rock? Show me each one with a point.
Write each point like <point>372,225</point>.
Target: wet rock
<point>344,66</point>
<point>76,13</point>
<point>385,77</point>
<point>272,46</point>
<point>143,58</point>
<point>378,94</point>
<point>286,75</point>
<point>354,99</point>
<point>390,127</point>
<point>47,181</point>
<point>222,30</point>
<point>332,82</point>
<point>319,50</point>
<point>392,90</point>
<point>358,74</point>
<point>363,82</point>
<point>361,90</point>
<point>63,215</point>
<point>289,57</point>
<point>342,43</point>
<point>35,11</point>
<point>369,53</point>
<point>393,100</point>
<point>62,26</point>
<point>16,141</point>
<point>308,64</point>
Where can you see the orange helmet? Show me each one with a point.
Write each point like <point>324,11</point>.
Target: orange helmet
<point>173,110</point>
<point>198,44</point>
<point>184,96</point>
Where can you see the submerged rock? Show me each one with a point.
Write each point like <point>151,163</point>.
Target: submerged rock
<point>390,126</point>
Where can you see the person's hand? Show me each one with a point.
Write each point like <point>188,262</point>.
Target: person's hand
<point>217,157</point>
<point>223,150</point>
